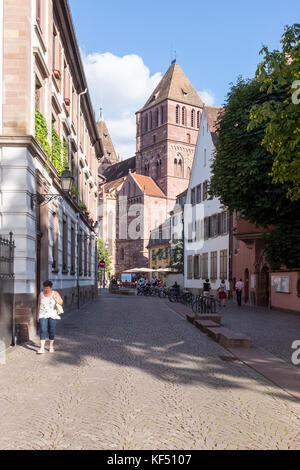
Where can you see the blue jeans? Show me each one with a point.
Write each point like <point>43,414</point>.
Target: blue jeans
<point>47,324</point>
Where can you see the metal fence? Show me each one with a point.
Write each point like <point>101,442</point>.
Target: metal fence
<point>7,322</point>
<point>7,248</point>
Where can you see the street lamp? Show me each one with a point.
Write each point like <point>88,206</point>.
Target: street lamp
<point>66,181</point>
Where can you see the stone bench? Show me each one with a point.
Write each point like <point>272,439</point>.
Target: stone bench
<point>122,292</point>
<point>209,316</point>
<point>204,324</point>
<point>229,338</point>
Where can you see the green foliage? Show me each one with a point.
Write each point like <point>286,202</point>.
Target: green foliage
<point>177,257</point>
<point>103,254</point>
<point>56,152</point>
<point>277,75</point>
<point>82,206</point>
<point>41,132</point>
<point>242,170</point>
<point>282,246</point>
<point>65,154</point>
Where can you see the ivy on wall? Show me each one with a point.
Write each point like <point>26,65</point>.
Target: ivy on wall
<point>56,152</point>
<point>41,132</point>
<point>65,154</point>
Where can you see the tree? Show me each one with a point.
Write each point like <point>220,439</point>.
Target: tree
<point>241,170</point>
<point>103,254</point>
<point>279,73</point>
<point>177,256</point>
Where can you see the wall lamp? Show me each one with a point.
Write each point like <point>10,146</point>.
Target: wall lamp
<point>66,180</point>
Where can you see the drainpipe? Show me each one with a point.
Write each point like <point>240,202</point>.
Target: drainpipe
<point>78,193</point>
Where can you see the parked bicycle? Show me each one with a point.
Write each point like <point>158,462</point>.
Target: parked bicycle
<point>204,304</point>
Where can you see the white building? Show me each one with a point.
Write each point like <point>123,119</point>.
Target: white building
<point>206,246</point>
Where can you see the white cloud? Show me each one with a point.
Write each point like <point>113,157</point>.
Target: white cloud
<point>207,97</point>
<point>121,85</point>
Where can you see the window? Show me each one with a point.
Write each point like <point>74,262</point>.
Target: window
<point>198,194</point>
<point>150,118</point>
<point>177,114</point>
<point>204,266</point>
<point>146,123</point>
<point>197,271</point>
<point>188,138</point>
<point>73,248</point>
<point>80,253</point>
<point>122,254</point>
<point>156,118</point>
<point>154,139</point>
<point>190,233</point>
<point>198,119</point>
<point>65,245</point>
<point>39,95</point>
<point>193,118</point>
<point>206,228</point>
<point>183,121</point>
<point>214,225</point>
<point>85,255</point>
<point>190,267</point>
<point>90,257</point>
<point>214,265</point>
<point>180,168</point>
<point>193,196</point>
<point>158,168</point>
<point>55,243</point>
<point>175,167</point>
<point>205,190</point>
<point>39,12</point>
<point>223,264</point>
<point>162,117</point>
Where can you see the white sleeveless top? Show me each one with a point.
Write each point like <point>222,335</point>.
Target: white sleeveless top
<point>47,308</point>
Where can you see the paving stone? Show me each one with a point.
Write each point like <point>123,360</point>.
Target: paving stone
<point>132,374</point>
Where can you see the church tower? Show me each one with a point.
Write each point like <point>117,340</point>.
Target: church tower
<point>167,131</point>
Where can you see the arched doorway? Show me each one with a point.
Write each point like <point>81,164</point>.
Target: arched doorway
<point>264,287</point>
<point>246,286</point>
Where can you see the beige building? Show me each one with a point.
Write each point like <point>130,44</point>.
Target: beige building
<point>47,124</point>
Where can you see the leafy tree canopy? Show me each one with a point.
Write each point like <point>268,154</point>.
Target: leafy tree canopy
<point>279,77</point>
<point>103,254</point>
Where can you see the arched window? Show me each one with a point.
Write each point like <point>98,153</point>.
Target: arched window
<point>183,121</point>
<point>156,118</point>
<point>188,136</point>
<point>158,169</point>
<point>146,122</point>
<point>122,254</point>
<point>198,119</point>
<point>193,118</point>
<point>177,114</point>
<point>162,117</point>
<point>150,118</point>
<point>180,168</point>
<point>175,167</point>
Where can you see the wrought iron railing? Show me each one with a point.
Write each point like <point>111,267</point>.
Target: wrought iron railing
<point>7,249</point>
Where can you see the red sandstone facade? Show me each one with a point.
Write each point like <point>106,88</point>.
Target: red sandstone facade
<point>167,131</point>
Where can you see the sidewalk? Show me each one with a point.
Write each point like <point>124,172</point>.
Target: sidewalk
<point>272,333</point>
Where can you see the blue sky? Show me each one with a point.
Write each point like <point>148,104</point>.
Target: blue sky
<point>215,42</point>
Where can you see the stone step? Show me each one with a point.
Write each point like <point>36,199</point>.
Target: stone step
<point>190,318</point>
<point>204,324</point>
<point>209,316</point>
<point>229,338</point>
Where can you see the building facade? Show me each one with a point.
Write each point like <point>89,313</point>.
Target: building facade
<point>47,124</point>
<point>206,222</point>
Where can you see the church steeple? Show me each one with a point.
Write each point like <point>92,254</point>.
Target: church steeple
<point>174,86</point>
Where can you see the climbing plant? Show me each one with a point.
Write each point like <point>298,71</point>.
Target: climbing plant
<point>41,132</point>
<point>65,154</point>
<point>56,151</point>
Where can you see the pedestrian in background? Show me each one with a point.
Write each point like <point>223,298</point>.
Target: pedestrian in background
<point>47,314</point>
<point>206,288</point>
<point>222,293</point>
<point>239,289</point>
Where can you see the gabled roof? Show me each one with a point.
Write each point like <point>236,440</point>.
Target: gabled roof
<point>148,185</point>
<point>174,86</point>
<point>114,172</point>
<point>212,114</point>
<point>112,185</point>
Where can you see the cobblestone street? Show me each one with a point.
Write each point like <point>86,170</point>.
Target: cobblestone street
<point>130,373</point>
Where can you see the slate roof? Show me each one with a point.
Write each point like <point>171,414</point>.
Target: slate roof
<point>212,114</point>
<point>175,86</point>
<point>108,147</point>
<point>148,185</point>
<point>119,170</point>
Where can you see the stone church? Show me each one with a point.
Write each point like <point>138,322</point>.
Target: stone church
<point>167,131</point>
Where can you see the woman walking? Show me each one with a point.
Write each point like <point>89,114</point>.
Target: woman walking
<point>47,315</point>
<point>222,293</point>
